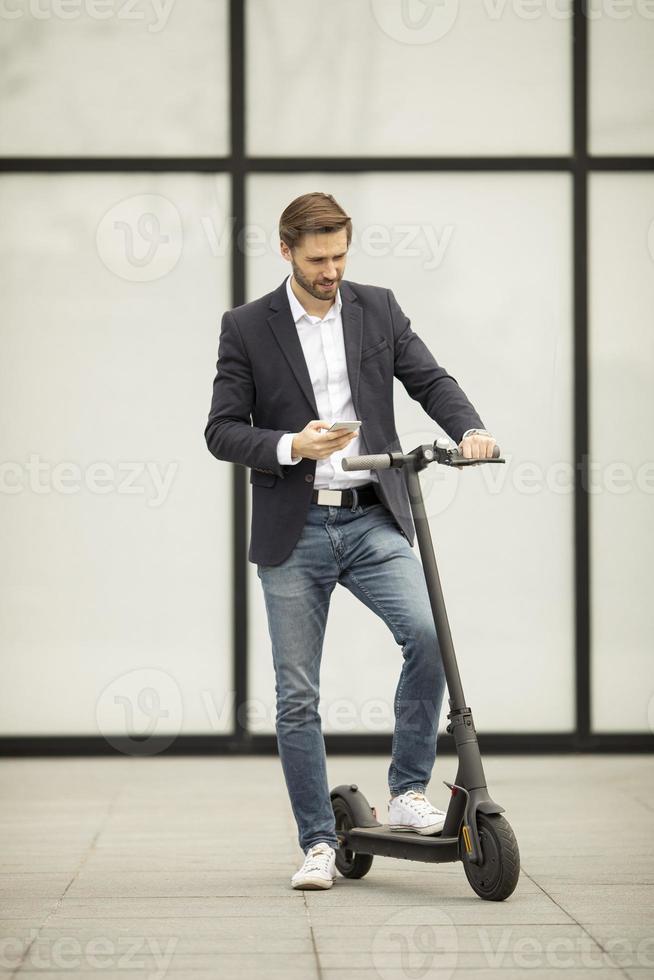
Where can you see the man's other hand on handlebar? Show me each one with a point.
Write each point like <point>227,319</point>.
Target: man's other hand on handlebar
<point>477,445</point>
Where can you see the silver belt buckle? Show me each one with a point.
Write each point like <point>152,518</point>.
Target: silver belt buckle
<point>332,498</point>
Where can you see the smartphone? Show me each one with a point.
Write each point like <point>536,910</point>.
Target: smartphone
<point>344,426</point>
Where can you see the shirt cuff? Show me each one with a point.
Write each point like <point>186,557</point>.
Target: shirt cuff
<point>284,449</point>
<point>468,431</point>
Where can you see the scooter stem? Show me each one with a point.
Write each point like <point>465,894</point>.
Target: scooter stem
<point>470,772</point>
<point>426,548</point>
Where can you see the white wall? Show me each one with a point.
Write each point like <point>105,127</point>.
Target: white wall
<point>622,424</point>
<point>134,78</point>
<point>389,78</point>
<point>621,70</point>
<point>114,585</point>
<point>494,306</point>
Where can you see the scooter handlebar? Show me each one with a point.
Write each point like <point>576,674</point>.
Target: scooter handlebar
<point>380,461</point>
<point>456,458</point>
<point>384,461</point>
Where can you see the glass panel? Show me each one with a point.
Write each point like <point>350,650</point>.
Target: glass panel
<point>413,78</point>
<point>481,264</point>
<point>97,79</point>
<point>622,476</point>
<point>621,92</point>
<point>115,518</point>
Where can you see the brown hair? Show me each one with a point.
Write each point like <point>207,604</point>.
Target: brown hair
<point>316,212</point>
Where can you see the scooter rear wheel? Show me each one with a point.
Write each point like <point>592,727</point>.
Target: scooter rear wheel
<point>349,863</point>
<point>497,876</point>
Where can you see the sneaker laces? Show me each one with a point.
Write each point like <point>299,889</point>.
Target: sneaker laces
<point>421,804</point>
<point>318,858</point>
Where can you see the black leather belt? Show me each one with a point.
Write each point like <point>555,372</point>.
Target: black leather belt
<point>366,495</point>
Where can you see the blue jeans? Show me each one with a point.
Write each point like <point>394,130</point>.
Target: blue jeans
<point>363,548</point>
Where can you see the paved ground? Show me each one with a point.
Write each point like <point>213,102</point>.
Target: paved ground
<point>180,868</point>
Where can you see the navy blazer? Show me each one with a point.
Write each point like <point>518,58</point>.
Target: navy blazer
<point>262,389</point>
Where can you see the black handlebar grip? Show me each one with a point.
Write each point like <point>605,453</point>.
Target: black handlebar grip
<point>456,456</point>
<point>380,461</point>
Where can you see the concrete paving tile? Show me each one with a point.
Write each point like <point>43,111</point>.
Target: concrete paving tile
<point>346,893</point>
<point>188,864</point>
<point>555,881</point>
<point>589,915</point>
<point>555,849</point>
<point>528,954</point>
<point>72,953</point>
<point>181,908</point>
<point>226,966</point>
<point>439,963</point>
<point>222,970</point>
<point>220,848</point>
<point>485,913</point>
<point>406,876</point>
<point>26,908</point>
<point>336,916</point>
<point>636,956</point>
<point>43,844</point>
<point>190,948</point>
<point>626,938</point>
<point>292,921</point>
<point>33,885</point>
<point>474,974</point>
<point>19,927</point>
<point>400,933</point>
<point>214,930</point>
<point>642,896</point>
<point>50,865</point>
<point>167,884</point>
<point>471,938</point>
<point>183,952</point>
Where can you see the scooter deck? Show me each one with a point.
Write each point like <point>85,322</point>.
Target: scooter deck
<point>400,844</point>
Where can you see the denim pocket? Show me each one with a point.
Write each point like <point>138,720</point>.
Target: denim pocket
<point>367,508</point>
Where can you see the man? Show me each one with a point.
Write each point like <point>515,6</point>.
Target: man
<point>317,350</point>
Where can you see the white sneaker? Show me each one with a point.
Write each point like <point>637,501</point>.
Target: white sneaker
<point>319,868</point>
<point>413,811</point>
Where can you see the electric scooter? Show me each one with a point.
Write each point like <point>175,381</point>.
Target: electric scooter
<point>474,831</point>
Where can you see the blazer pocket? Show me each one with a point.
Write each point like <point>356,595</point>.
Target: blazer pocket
<point>374,349</point>
<point>262,479</point>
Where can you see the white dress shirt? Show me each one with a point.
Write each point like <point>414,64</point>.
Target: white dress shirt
<point>324,351</point>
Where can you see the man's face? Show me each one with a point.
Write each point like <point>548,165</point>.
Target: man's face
<point>318,262</point>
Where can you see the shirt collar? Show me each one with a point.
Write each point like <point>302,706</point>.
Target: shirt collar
<point>299,311</point>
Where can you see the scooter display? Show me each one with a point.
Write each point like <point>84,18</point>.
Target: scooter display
<point>475,832</point>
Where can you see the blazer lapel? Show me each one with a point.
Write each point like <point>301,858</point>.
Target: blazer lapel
<point>352,317</point>
<point>283,326</point>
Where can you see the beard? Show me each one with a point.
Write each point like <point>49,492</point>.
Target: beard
<point>312,288</point>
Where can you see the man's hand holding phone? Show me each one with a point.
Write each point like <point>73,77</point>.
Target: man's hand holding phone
<point>319,439</point>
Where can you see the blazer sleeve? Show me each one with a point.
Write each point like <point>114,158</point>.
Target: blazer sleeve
<point>427,382</point>
<point>229,432</point>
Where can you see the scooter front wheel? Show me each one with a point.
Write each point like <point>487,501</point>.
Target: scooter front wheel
<point>497,876</point>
